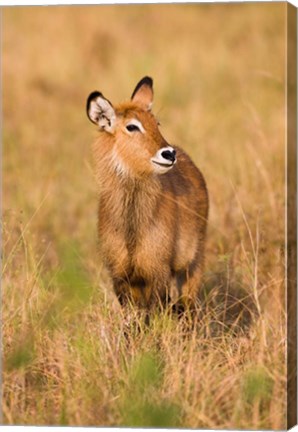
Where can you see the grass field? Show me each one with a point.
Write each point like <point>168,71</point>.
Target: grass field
<point>219,77</point>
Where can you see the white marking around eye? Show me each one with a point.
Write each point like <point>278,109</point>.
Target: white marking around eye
<point>137,123</point>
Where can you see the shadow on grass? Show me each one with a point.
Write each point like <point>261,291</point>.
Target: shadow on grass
<point>225,301</point>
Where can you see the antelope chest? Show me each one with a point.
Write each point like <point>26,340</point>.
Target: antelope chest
<point>132,242</point>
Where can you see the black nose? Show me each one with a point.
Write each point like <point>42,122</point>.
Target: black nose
<point>169,155</point>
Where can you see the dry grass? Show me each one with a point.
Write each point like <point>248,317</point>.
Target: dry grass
<point>219,84</point>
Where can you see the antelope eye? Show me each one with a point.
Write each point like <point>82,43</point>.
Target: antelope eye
<point>132,128</point>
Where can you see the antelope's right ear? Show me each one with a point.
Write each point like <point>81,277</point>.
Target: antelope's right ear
<point>101,112</point>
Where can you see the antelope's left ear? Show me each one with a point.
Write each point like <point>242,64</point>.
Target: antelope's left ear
<point>143,93</point>
<point>101,112</point>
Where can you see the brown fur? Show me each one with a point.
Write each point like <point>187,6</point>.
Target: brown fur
<point>151,226</point>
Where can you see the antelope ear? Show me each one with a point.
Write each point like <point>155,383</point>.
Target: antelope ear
<point>101,112</point>
<point>143,93</point>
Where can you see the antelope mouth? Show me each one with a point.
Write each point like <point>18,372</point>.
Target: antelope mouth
<point>163,164</point>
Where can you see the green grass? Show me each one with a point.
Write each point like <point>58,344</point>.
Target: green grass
<point>71,355</point>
